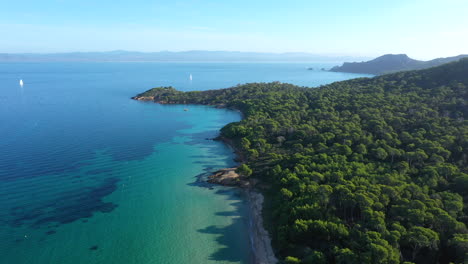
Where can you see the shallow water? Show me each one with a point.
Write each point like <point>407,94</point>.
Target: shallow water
<point>89,176</point>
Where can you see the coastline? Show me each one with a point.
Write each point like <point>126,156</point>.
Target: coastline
<point>259,238</point>
<point>240,157</point>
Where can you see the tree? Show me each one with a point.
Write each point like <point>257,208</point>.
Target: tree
<point>345,256</point>
<point>420,237</point>
<point>244,170</point>
<point>245,143</point>
<point>316,257</point>
<point>380,153</point>
<point>459,243</point>
<point>292,260</point>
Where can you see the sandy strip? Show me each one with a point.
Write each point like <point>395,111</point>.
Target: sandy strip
<point>261,241</point>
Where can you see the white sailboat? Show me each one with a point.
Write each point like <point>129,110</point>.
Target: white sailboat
<point>21,83</point>
<point>190,77</point>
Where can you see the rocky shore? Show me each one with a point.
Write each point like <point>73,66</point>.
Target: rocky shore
<point>229,177</point>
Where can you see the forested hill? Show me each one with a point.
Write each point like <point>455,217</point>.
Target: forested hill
<point>392,63</point>
<point>360,171</point>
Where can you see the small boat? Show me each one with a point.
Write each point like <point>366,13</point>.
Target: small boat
<point>21,83</point>
<point>190,77</point>
<point>185,109</point>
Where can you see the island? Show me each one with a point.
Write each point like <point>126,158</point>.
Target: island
<point>369,170</point>
<point>390,63</point>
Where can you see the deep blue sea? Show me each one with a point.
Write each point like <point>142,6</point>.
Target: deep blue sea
<point>88,175</point>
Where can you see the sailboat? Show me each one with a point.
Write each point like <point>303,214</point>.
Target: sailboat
<point>21,82</point>
<point>190,77</point>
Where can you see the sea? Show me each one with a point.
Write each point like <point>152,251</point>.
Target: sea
<point>88,175</point>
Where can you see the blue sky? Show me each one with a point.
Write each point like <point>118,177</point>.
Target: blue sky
<point>423,29</point>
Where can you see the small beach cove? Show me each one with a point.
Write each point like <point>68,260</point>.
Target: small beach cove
<point>260,241</point>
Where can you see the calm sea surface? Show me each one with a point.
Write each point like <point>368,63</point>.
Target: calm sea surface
<point>88,175</point>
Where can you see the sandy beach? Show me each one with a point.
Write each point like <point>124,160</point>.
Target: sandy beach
<point>260,239</point>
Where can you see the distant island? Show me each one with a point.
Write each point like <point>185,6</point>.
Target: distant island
<point>392,63</point>
<point>169,56</point>
<point>370,170</point>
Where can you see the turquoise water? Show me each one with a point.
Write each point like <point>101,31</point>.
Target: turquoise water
<point>89,176</point>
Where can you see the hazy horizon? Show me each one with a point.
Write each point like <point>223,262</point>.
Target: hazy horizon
<point>421,29</point>
<point>281,56</point>
<point>188,50</point>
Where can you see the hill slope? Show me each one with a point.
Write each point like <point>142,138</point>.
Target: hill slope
<point>392,63</point>
<point>361,171</point>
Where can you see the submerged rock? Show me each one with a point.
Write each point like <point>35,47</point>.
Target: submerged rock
<point>94,247</point>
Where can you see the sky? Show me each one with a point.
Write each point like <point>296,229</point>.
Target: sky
<point>423,29</point>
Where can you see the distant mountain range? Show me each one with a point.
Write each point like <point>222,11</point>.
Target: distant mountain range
<point>168,56</point>
<point>392,63</point>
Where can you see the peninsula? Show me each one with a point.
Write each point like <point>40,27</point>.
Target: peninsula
<point>370,170</point>
<point>392,63</point>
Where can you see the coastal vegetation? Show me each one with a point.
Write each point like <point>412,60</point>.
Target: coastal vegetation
<point>370,170</point>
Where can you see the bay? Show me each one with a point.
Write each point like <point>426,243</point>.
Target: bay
<point>88,175</point>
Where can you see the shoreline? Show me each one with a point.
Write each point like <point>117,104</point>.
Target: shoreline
<point>259,238</point>
<point>239,155</point>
